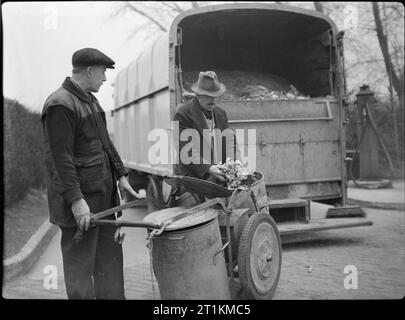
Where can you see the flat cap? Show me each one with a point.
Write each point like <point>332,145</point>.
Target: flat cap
<point>91,57</point>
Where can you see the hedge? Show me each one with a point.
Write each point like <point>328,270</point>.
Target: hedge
<point>23,151</point>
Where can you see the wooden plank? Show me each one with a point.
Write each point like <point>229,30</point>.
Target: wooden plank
<point>287,203</point>
<point>345,212</point>
<point>321,225</point>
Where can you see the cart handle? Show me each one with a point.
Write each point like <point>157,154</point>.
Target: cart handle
<point>125,223</point>
<point>219,251</point>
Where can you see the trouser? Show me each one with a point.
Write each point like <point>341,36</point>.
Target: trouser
<point>93,268</point>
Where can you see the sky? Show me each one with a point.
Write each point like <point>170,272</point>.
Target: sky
<point>39,39</point>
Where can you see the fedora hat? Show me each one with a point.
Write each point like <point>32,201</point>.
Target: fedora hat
<point>208,84</point>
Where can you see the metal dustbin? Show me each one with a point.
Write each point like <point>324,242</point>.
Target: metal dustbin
<point>188,259</point>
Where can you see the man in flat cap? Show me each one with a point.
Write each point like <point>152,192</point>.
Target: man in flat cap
<point>201,114</point>
<point>83,168</point>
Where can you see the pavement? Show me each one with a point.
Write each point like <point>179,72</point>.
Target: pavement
<point>387,198</point>
<point>140,283</point>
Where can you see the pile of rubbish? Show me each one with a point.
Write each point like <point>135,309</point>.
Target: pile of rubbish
<point>236,174</point>
<point>249,85</point>
<point>258,92</point>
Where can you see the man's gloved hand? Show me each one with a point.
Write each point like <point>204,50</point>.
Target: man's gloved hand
<point>215,172</point>
<point>124,186</point>
<point>82,214</point>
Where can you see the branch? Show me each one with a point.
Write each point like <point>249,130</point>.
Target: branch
<point>367,28</point>
<point>146,15</point>
<point>173,6</point>
<point>395,8</point>
<point>318,6</point>
<point>363,62</point>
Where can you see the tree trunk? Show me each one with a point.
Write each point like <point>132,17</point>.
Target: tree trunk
<point>401,91</point>
<point>318,6</point>
<point>382,39</point>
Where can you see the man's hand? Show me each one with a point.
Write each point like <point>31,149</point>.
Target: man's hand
<point>124,186</point>
<point>216,173</point>
<point>81,212</point>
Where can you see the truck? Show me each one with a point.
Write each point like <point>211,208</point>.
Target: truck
<point>299,143</point>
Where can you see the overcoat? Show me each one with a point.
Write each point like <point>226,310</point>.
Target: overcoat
<point>81,161</point>
<point>190,115</point>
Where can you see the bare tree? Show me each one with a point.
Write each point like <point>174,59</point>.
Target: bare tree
<point>395,80</point>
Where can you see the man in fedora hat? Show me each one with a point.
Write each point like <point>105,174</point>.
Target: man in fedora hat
<point>83,168</point>
<point>202,114</point>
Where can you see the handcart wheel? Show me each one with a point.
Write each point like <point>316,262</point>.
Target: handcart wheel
<point>155,191</point>
<point>259,257</point>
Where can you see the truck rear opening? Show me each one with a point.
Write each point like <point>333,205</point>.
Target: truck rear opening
<point>292,45</point>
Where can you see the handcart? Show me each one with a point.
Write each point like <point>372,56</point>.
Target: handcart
<point>187,243</point>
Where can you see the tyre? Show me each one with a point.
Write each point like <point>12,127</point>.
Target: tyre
<point>259,257</point>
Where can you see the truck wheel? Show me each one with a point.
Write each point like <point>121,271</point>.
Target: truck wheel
<point>155,191</point>
<point>259,257</point>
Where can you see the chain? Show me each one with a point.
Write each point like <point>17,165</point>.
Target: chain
<point>149,245</point>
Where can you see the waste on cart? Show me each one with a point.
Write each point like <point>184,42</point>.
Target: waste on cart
<point>250,85</point>
<point>236,173</point>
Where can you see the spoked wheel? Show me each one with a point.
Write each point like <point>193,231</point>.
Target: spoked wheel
<point>259,257</point>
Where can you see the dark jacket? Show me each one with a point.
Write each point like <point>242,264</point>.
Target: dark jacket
<point>190,116</point>
<point>81,160</point>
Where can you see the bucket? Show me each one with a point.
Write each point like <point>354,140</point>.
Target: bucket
<point>189,262</point>
<point>259,189</point>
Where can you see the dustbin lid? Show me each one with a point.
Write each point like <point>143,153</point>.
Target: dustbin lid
<point>190,220</point>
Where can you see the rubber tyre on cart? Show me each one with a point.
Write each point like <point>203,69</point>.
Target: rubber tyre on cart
<point>155,191</point>
<point>259,257</point>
